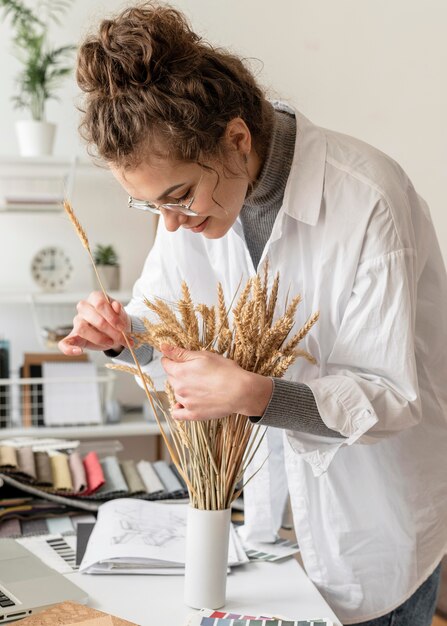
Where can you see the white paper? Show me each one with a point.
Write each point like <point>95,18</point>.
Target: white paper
<point>74,399</point>
<point>41,548</point>
<point>142,537</point>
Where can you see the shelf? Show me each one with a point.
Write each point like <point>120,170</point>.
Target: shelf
<point>55,161</point>
<point>128,427</point>
<point>63,297</point>
<point>35,185</point>
<point>31,208</point>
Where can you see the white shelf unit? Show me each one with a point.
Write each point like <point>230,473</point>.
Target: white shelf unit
<point>23,400</point>
<point>130,426</point>
<point>48,308</point>
<point>43,305</point>
<point>37,184</point>
<point>52,309</point>
<point>59,297</point>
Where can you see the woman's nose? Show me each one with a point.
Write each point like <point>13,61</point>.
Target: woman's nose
<point>173,221</point>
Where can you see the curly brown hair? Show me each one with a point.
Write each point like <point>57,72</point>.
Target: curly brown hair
<point>153,86</point>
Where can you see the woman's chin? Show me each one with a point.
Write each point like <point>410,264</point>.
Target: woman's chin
<point>211,232</point>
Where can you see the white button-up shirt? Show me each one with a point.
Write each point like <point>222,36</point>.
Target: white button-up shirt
<point>357,242</point>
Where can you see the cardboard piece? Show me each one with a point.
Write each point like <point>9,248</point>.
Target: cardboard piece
<point>71,614</point>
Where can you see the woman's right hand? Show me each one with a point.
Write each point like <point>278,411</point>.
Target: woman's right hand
<point>99,325</point>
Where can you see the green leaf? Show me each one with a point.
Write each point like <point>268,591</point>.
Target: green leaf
<point>43,68</point>
<point>105,255</point>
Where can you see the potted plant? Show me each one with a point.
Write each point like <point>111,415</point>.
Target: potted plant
<point>43,69</point>
<point>106,260</point>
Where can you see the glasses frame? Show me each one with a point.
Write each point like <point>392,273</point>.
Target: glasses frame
<point>175,207</point>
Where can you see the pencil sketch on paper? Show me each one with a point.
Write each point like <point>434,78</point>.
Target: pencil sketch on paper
<point>133,527</point>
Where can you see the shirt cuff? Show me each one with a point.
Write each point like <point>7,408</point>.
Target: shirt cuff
<point>293,407</point>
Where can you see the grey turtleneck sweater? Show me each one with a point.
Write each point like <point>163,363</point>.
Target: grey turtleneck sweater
<point>292,404</point>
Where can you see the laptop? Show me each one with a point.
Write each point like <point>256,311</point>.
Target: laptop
<point>28,586</point>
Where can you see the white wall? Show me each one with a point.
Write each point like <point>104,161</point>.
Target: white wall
<point>372,68</point>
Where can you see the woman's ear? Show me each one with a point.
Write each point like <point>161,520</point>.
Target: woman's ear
<point>238,136</point>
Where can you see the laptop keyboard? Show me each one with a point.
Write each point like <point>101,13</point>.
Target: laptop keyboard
<point>5,601</point>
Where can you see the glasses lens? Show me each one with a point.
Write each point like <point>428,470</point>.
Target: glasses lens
<point>178,208</point>
<point>141,205</point>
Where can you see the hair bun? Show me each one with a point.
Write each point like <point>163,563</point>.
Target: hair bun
<point>139,49</point>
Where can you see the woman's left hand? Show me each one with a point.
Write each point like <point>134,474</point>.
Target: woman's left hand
<point>209,386</point>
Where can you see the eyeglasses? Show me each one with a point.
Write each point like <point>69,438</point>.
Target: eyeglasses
<point>176,207</point>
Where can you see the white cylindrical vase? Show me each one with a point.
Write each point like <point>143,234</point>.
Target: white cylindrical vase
<point>207,537</point>
<point>35,138</point>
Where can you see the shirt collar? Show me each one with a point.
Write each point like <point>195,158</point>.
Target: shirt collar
<point>304,189</point>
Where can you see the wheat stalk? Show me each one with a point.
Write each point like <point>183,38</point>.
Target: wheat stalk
<point>212,455</point>
<point>215,453</point>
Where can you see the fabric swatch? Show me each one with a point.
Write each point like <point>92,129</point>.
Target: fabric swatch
<point>167,476</point>
<point>78,476</point>
<point>177,475</point>
<point>80,518</point>
<point>25,461</point>
<point>83,532</point>
<point>34,527</point>
<point>8,456</point>
<point>113,476</point>
<point>149,477</point>
<point>132,477</point>
<point>93,471</point>
<point>10,528</point>
<point>60,525</point>
<point>43,469</point>
<point>61,472</point>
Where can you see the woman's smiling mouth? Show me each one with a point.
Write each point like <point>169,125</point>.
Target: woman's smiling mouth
<point>200,227</point>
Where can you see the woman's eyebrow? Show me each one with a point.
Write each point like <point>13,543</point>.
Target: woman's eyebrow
<point>169,191</point>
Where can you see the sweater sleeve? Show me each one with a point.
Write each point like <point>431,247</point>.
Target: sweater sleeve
<point>293,407</point>
<point>144,353</point>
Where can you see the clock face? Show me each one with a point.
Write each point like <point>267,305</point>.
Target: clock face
<point>51,268</point>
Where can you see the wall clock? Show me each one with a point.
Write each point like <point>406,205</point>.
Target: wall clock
<point>51,268</point>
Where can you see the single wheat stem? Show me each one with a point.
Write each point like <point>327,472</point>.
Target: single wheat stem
<point>83,237</point>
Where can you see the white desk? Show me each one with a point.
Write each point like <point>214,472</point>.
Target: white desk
<point>257,588</point>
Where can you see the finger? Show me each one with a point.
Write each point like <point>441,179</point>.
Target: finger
<point>181,414</point>
<point>175,353</point>
<point>170,367</point>
<point>184,414</point>
<point>96,319</point>
<point>72,345</point>
<point>123,317</point>
<point>116,318</point>
<point>95,338</point>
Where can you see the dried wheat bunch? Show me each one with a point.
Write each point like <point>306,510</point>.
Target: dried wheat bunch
<point>212,455</point>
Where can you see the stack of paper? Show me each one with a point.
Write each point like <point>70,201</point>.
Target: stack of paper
<point>134,536</point>
<point>72,396</point>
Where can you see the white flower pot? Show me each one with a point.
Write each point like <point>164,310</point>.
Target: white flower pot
<point>110,277</point>
<point>206,564</point>
<point>35,138</point>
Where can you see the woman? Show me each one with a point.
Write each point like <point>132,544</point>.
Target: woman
<point>190,135</point>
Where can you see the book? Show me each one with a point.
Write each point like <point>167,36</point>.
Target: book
<point>133,536</point>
